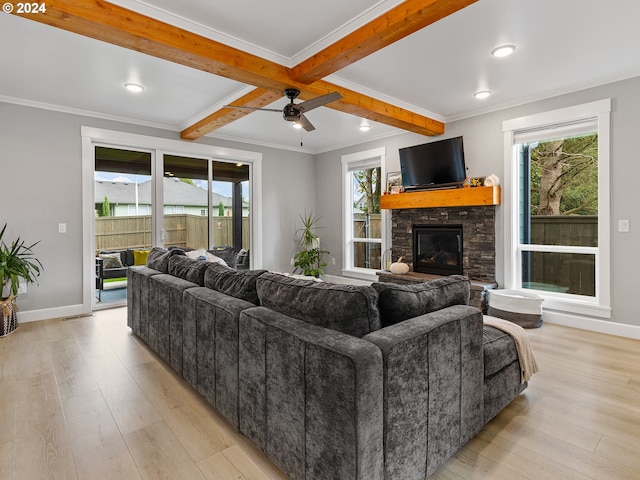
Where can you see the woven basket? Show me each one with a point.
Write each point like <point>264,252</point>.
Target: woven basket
<point>9,311</point>
<point>522,308</point>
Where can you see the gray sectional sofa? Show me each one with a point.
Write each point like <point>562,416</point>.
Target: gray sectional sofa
<point>330,381</point>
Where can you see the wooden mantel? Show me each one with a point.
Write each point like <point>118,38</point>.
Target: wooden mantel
<point>451,197</point>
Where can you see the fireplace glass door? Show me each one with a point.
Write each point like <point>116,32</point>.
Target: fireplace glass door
<point>437,249</point>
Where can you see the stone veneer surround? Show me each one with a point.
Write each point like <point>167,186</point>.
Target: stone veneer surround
<point>478,235</point>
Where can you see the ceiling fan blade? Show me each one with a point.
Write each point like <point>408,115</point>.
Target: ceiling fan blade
<point>318,101</point>
<point>253,108</point>
<point>305,123</point>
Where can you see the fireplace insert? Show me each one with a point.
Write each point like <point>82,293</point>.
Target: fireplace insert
<point>437,249</point>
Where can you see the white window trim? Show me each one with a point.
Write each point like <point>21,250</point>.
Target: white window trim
<point>600,306</point>
<point>367,158</point>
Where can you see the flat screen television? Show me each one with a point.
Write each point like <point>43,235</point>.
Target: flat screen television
<point>438,164</point>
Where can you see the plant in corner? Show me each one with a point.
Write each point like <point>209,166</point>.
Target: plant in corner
<point>309,259</point>
<point>17,261</point>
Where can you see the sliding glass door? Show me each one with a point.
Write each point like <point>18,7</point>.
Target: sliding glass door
<point>122,214</point>
<point>140,192</point>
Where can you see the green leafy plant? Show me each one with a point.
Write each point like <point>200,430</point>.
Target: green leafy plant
<point>17,261</point>
<point>309,259</point>
<point>106,208</point>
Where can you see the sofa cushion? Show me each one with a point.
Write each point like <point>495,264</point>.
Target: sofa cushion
<point>499,350</point>
<point>228,254</point>
<point>400,302</point>
<point>158,258</point>
<point>239,284</point>
<point>188,269</point>
<point>350,309</point>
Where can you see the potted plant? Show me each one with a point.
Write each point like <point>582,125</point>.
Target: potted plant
<point>17,262</point>
<point>309,259</point>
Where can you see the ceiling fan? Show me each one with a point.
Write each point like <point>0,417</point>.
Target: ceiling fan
<point>293,112</point>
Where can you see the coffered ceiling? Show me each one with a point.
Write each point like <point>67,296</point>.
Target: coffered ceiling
<point>396,63</point>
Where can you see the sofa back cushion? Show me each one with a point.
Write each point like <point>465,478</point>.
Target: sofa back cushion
<point>350,309</point>
<point>239,284</point>
<point>187,268</point>
<point>400,302</point>
<point>158,258</point>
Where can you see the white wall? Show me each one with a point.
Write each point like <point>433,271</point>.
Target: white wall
<point>483,141</point>
<point>40,165</point>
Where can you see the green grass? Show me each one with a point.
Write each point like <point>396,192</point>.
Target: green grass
<point>120,279</point>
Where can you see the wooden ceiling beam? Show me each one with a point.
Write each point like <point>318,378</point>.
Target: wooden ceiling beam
<point>125,28</point>
<point>399,22</point>
<point>257,98</point>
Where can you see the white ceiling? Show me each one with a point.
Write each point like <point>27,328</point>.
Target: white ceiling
<point>562,45</point>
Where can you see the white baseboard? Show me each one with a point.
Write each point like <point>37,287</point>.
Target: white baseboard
<point>49,313</point>
<point>592,324</point>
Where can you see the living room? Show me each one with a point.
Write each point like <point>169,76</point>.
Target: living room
<point>43,146</point>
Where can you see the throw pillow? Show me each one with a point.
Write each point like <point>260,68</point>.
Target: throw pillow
<point>111,260</point>
<point>202,254</point>
<point>400,302</point>
<point>140,257</point>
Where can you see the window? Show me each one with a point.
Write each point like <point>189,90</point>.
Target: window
<point>363,220</point>
<point>557,244</point>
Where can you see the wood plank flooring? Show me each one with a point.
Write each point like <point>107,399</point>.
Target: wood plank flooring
<point>82,398</point>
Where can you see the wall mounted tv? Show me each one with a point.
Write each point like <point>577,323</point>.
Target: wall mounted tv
<point>438,164</point>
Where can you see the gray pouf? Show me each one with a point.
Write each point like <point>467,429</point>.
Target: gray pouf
<point>517,306</point>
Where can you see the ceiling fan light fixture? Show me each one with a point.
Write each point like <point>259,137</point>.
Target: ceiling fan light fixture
<point>364,126</point>
<point>133,87</point>
<point>503,51</point>
<point>296,125</point>
<point>482,94</point>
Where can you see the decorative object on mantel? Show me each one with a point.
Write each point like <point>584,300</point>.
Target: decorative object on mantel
<point>492,181</point>
<point>394,182</point>
<point>399,267</point>
<point>477,182</point>
<point>16,262</point>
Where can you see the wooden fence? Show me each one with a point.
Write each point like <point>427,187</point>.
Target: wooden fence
<point>116,233</point>
<point>563,272</point>
<point>367,255</point>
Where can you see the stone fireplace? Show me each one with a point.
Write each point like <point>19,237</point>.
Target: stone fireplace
<point>478,250</point>
<point>472,210</point>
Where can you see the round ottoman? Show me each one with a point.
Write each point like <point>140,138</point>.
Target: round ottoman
<point>517,306</point>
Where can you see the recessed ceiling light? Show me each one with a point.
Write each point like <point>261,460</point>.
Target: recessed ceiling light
<point>134,87</point>
<point>482,94</point>
<point>503,51</point>
<point>364,126</point>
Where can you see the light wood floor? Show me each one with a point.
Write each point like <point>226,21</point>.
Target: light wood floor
<point>83,399</point>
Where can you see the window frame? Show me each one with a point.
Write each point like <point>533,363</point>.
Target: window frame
<point>600,305</point>
<point>365,159</point>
